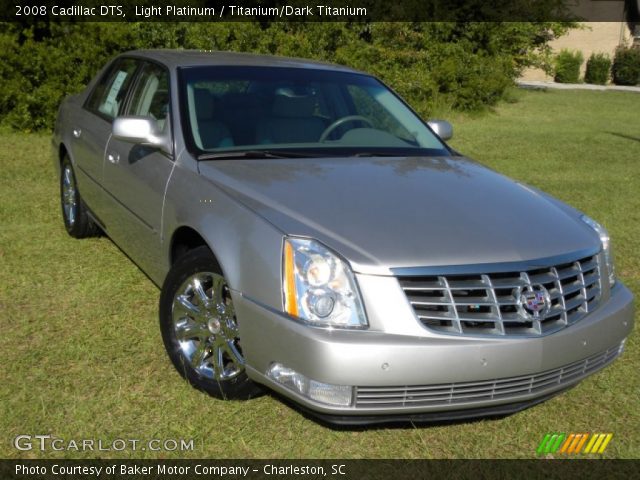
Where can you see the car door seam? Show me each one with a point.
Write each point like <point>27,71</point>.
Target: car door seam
<point>104,157</point>
<point>164,201</point>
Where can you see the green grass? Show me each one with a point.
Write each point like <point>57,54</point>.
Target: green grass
<point>81,350</point>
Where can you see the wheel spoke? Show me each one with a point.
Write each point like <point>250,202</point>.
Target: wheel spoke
<point>234,354</point>
<point>197,287</point>
<point>190,329</point>
<point>230,327</point>
<point>184,302</point>
<point>218,361</point>
<point>217,290</point>
<point>199,355</point>
<point>229,311</point>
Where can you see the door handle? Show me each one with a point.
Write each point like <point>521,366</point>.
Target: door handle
<point>77,132</point>
<point>113,157</point>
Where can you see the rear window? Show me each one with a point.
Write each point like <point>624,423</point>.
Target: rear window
<point>108,96</point>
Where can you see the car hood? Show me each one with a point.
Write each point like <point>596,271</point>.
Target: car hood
<point>385,213</point>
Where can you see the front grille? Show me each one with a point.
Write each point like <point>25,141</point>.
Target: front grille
<point>477,392</point>
<point>492,304</point>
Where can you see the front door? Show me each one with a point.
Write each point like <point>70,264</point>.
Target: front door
<point>136,175</point>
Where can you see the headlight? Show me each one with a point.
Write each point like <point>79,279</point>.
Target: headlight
<point>606,246</point>
<point>319,287</point>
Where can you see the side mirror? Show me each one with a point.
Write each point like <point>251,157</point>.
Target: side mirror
<point>141,130</point>
<point>442,128</point>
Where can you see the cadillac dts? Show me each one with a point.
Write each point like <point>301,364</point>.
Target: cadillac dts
<point>311,234</point>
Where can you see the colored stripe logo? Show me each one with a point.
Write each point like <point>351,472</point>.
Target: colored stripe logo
<point>574,443</point>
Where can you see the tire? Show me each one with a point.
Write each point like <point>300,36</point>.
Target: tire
<point>74,211</point>
<point>199,328</point>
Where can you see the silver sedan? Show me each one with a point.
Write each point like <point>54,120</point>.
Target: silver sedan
<point>311,234</point>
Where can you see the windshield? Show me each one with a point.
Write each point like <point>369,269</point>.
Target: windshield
<point>252,110</point>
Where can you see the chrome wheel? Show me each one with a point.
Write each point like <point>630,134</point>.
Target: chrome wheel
<point>75,213</point>
<point>69,202</point>
<point>199,328</point>
<point>205,326</point>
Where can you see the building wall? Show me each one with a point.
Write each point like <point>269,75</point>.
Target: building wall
<point>594,37</point>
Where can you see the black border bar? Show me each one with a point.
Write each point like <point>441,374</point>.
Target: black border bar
<point>25,11</point>
<point>316,469</point>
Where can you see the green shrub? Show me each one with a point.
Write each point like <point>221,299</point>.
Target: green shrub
<point>568,66</point>
<point>598,67</point>
<point>434,65</point>
<point>626,66</point>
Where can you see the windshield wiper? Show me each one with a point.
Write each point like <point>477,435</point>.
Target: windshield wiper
<point>255,154</point>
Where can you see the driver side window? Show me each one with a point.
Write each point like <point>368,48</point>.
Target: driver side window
<point>151,95</point>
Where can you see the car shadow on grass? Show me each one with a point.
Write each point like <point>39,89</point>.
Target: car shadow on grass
<point>622,135</point>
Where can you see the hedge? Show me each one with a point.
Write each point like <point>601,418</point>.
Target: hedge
<point>568,66</point>
<point>464,66</point>
<point>598,69</point>
<point>626,66</point>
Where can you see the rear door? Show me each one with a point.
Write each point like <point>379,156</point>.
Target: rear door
<point>92,129</point>
<point>136,175</point>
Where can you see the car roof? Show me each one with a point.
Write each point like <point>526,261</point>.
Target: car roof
<point>192,58</point>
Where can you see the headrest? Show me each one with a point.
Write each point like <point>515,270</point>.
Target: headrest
<point>204,103</point>
<point>296,107</point>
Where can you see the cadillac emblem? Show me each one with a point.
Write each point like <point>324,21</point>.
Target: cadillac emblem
<point>535,301</point>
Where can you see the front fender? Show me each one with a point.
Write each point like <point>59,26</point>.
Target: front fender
<point>247,247</point>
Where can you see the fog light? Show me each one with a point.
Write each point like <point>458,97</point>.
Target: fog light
<point>339,395</point>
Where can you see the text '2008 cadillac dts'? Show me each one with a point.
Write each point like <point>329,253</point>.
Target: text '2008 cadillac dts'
<point>313,235</point>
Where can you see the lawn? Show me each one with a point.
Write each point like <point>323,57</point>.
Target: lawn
<point>81,348</point>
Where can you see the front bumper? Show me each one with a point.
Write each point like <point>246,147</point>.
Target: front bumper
<point>431,417</point>
<point>419,375</point>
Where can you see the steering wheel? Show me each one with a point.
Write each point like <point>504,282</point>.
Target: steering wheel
<point>341,121</point>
